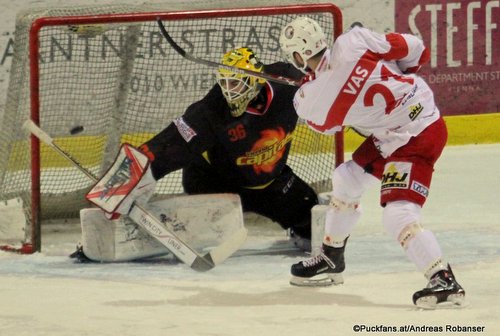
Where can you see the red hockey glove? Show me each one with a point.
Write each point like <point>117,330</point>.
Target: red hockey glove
<point>128,181</point>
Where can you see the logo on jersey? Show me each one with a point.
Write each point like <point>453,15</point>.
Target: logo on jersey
<point>184,129</point>
<point>396,175</point>
<point>415,110</point>
<point>420,189</point>
<point>410,95</point>
<point>266,151</point>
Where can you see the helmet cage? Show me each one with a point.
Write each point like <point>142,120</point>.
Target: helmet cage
<point>239,89</point>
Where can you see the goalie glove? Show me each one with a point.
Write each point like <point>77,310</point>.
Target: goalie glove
<point>128,181</point>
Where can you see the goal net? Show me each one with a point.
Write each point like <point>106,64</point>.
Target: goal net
<point>108,68</point>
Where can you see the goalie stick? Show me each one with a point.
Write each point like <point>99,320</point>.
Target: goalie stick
<point>152,225</point>
<point>184,54</point>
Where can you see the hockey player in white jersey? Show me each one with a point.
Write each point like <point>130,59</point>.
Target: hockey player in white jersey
<point>367,81</point>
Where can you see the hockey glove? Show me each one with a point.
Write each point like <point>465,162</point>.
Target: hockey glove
<point>128,181</point>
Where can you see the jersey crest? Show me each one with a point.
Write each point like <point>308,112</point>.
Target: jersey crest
<point>267,151</point>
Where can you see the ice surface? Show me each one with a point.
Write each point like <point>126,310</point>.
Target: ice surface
<point>48,294</point>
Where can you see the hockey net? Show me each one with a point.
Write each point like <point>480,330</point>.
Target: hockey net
<point>107,68</point>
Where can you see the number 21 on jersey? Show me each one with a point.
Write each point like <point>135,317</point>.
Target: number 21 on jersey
<point>384,91</point>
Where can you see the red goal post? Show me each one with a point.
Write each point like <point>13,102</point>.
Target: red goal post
<point>107,68</point>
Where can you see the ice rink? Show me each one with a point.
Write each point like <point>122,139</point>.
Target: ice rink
<point>48,294</point>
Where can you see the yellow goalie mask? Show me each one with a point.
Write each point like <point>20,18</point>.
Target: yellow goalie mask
<point>239,89</point>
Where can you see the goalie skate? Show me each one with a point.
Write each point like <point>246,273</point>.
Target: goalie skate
<point>442,290</point>
<point>324,269</point>
<point>80,256</point>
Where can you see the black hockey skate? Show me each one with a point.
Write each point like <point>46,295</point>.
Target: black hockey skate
<point>442,289</point>
<point>324,269</point>
<point>80,256</point>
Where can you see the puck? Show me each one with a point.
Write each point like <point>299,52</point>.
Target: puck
<point>76,130</point>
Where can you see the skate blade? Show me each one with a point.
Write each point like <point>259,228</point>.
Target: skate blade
<point>452,301</point>
<point>320,280</point>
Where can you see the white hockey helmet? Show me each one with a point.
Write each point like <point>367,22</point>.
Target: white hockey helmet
<point>303,36</point>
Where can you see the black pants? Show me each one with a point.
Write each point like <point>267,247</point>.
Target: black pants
<point>287,201</point>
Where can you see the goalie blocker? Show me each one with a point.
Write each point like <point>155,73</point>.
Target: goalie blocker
<point>129,180</point>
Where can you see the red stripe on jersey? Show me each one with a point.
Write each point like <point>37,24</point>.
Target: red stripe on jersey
<point>349,92</point>
<point>399,47</point>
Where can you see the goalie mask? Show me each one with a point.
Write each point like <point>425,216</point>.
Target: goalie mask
<point>240,89</point>
<point>303,36</point>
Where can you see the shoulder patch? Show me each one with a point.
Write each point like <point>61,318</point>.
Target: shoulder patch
<point>184,129</point>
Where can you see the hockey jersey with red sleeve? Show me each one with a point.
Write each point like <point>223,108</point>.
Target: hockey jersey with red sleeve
<point>367,81</point>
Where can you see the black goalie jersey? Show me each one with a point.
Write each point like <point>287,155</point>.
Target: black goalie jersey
<point>246,151</point>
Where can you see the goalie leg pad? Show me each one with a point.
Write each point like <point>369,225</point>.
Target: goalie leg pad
<point>203,220</point>
<point>318,221</point>
<point>116,240</point>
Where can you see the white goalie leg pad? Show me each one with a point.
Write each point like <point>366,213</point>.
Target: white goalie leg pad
<point>12,222</point>
<point>118,240</point>
<point>402,220</point>
<point>349,183</point>
<point>204,221</point>
<point>318,220</point>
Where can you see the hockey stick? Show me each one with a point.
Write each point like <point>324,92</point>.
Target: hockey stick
<point>184,54</point>
<point>152,225</point>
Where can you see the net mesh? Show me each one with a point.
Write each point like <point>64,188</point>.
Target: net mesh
<point>123,83</point>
